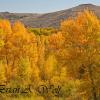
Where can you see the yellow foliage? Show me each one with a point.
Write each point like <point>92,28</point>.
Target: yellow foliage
<point>46,56</point>
<point>50,66</point>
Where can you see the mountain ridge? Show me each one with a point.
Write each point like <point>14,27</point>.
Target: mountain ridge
<point>52,19</point>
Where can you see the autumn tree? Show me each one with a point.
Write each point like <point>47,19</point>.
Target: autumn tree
<point>50,67</point>
<point>5,31</point>
<point>82,44</point>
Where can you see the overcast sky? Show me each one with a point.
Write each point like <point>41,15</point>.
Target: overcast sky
<point>41,6</point>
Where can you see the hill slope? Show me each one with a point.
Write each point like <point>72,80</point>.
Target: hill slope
<point>48,19</point>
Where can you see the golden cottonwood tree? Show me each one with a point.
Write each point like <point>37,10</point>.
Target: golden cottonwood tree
<point>82,43</point>
<point>5,31</point>
<point>50,67</point>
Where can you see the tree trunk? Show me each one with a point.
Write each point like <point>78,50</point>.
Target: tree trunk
<point>92,82</point>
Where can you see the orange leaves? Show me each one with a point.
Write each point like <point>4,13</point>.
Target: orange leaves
<point>5,25</point>
<point>18,27</point>
<point>50,55</point>
<point>19,31</point>
<point>56,40</point>
<point>83,29</point>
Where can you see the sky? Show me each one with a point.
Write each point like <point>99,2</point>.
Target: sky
<point>41,6</point>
